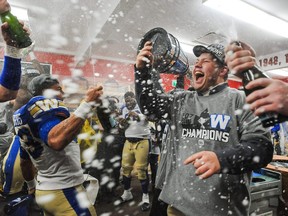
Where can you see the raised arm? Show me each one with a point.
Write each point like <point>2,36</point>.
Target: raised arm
<point>64,132</point>
<point>11,72</point>
<point>150,96</point>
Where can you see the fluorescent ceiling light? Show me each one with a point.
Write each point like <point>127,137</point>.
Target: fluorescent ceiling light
<point>20,13</point>
<point>250,14</point>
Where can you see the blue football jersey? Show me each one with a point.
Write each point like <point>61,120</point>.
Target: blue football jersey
<point>29,118</point>
<point>56,169</point>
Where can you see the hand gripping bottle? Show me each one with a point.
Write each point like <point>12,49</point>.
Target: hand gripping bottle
<point>16,32</point>
<point>268,119</point>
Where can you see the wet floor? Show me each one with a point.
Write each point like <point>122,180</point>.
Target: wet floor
<point>108,207</point>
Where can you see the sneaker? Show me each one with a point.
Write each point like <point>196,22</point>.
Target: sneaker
<point>126,196</point>
<point>145,198</point>
<point>145,202</point>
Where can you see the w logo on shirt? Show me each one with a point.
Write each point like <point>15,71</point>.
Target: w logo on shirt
<point>219,121</point>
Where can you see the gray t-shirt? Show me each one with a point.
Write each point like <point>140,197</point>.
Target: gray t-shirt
<point>6,113</point>
<point>208,123</point>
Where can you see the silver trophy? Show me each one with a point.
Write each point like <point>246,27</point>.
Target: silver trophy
<point>168,55</point>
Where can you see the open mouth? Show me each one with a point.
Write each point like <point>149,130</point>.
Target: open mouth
<point>199,76</point>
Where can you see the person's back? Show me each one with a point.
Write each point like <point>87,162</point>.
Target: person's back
<point>6,127</point>
<point>12,176</point>
<point>109,150</point>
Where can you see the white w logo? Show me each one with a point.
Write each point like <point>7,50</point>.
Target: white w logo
<point>219,121</point>
<point>47,104</point>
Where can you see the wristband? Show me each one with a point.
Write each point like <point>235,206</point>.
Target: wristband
<point>31,184</point>
<point>13,52</point>
<point>11,73</point>
<point>83,110</point>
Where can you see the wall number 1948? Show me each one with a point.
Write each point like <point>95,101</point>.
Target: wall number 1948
<point>274,61</point>
<point>269,61</point>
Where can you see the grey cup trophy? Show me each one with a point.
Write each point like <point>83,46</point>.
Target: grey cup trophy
<point>168,55</point>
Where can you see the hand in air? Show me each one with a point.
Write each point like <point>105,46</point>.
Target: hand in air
<point>145,57</point>
<point>94,94</point>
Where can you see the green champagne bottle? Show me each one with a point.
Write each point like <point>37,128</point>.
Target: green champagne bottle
<point>17,34</point>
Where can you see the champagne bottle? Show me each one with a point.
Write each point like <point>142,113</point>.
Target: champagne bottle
<point>15,30</point>
<point>268,119</point>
